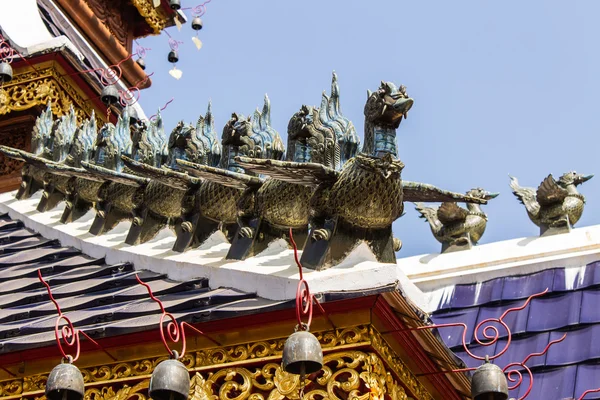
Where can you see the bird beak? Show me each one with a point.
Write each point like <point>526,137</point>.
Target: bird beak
<point>402,105</point>
<point>489,196</point>
<point>583,178</point>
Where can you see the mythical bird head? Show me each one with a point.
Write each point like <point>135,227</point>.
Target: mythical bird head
<point>83,142</point>
<point>60,142</point>
<point>573,178</point>
<point>237,141</point>
<point>183,144</point>
<point>112,142</point>
<point>482,194</point>
<point>310,140</point>
<point>150,142</point>
<point>44,124</point>
<point>388,105</point>
<point>207,135</point>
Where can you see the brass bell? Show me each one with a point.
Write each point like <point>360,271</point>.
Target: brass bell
<point>169,381</point>
<point>140,61</point>
<point>173,56</point>
<point>110,95</point>
<point>489,383</point>
<point>302,353</point>
<point>175,4</point>
<point>196,24</point>
<point>65,382</point>
<point>6,72</point>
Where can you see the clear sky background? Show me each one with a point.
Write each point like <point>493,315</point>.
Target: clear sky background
<point>499,87</point>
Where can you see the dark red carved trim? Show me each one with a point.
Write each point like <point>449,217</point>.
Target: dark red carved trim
<point>410,344</point>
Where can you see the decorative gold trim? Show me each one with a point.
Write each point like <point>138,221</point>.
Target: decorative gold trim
<point>253,368</point>
<point>153,16</point>
<point>30,88</point>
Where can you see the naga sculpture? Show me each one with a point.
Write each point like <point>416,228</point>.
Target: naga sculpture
<point>454,227</point>
<point>227,189</point>
<point>556,205</point>
<point>170,192</point>
<point>32,177</point>
<point>360,202</point>
<point>115,201</point>
<point>82,191</point>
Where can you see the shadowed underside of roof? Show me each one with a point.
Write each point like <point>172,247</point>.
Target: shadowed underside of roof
<point>101,300</point>
<point>571,306</point>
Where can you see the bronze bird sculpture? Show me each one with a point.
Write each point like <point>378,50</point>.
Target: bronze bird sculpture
<point>160,203</point>
<point>454,227</point>
<point>116,196</point>
<point>32,173</point>
<point>360,202</point>
<point>319,135</point>
<point>556,205</point>
<point>82,191</point>
<point>228,189</point>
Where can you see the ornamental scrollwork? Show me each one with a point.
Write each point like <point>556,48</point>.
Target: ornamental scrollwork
<point>154,18</point>
<point>349,374</point>
<point>345,375</point>
<point>38,87</point>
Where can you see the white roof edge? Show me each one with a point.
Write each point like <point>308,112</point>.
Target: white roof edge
<point>431,272</point>
<point>272,274</point>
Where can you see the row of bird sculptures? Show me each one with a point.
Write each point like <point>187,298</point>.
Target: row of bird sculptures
<point>248,186</point>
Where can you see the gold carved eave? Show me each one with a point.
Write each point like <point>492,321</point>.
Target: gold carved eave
<point>47,82</point>
<point>155,17</point>
<point>358,364</point>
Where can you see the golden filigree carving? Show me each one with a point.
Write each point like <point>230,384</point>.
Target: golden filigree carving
<point>346,374</point>
<point>153,16</point>
<point>136,392</point>
<point>36,87</point>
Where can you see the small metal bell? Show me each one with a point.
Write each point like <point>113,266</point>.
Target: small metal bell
<point>6,72</point>
<point>173,56</point>
<point>489,383</point>
<point>65,382</point>
<point>169,381</point>
<point>109,95</point>
<point>175,4</point>
<point>140,61</point>
<point>196,24</point>
<point>302,353</point>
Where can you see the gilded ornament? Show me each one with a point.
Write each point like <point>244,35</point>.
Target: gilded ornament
<point>154,18</point>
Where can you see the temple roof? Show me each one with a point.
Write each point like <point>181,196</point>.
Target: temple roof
<point>101,299</point>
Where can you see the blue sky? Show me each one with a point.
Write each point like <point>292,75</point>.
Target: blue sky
<point>499,87</point>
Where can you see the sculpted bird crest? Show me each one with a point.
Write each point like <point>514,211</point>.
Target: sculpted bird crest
<point>83,142</point>
<point>44,124</point>
<point>63,136</point>
<point>207,135</point>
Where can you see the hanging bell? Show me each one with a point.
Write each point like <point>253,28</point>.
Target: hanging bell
<point>302,353</point>
<point>140,61</point>
<point>169,381</point>
<point>175,4</point>
<point>196,24</point>
<point>6,72</point>
<point>65,382</point>
<point>489,383</point>
<point>110,95</point>
<point>173,56</point>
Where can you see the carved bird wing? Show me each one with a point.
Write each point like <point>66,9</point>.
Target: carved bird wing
<point>549,192</point>
<point>114,176</point>
<point>220,175</point>
<point>416,191</point>
<point>526,196</point>
<point>307,174</point>
<point>37,161</point>
<point>450,212</point>
<point>174,179</point>
<point>11,152</point>
<point>429,213</point>
<point>65,170</point>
